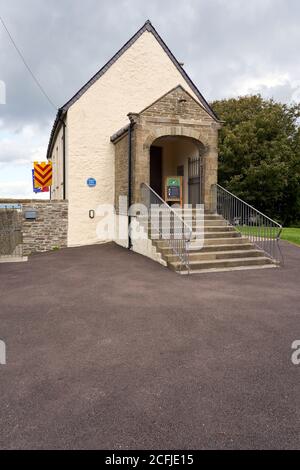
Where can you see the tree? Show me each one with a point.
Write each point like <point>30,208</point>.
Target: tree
<point>259,154</point>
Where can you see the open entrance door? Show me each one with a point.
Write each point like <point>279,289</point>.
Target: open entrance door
<point>156,169</point>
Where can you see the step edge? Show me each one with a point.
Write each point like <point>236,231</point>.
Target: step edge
<point>233,268</point>
<point>219,261</point>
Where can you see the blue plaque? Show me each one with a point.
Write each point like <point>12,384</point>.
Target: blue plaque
<point>91,182</point>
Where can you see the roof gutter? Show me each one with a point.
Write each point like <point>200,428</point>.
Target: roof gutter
<point>64,157</point>
<point>130,129</point>
<point>55,130</point>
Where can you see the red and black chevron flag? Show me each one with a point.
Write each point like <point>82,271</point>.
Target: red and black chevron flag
<point>42,174</point>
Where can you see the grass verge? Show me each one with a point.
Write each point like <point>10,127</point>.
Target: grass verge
<point>292,235</point>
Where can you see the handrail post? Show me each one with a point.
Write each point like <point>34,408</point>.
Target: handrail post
<point>214,201</point>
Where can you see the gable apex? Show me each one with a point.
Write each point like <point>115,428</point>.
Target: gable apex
<point>147,27</point>
<point>176,89</point>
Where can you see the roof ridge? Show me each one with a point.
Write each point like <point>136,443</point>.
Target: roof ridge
<point>147,26</point>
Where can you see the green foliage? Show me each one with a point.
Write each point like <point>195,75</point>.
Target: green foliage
<point>259,154</point>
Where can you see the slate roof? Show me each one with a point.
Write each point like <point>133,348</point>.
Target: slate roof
<point>119,133</point>
<point>146,27</point>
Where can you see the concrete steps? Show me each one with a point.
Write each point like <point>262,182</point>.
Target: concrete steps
<point>221,270</point>
<point>200,228</point>
<point>217,255</point>
<point>230,233</point>
<point>217,247</point>
<point>209,244</point>
<point>238,239</point>
<point>223,263</point>
<point>206,234</point>
<point>241,245</point>
<point>165,250</point>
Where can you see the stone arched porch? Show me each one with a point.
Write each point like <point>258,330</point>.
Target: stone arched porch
<point>178,155</point>
<point>148,132</point>
<point>176,114</point>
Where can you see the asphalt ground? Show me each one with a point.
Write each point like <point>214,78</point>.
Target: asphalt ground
<point>107,349</point>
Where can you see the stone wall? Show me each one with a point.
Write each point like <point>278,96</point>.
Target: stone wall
<point>10,236</point>
<point>121,170</point>
<point>177,103</point>
<point>175,114</point>
<point>49,230</point>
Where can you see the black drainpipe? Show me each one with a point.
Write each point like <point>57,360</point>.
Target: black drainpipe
<point>64,157</point>
<point>129,179</point>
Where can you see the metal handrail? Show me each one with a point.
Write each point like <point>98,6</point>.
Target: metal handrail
<point>263,231</point>
<point>178,244</point>
<point>168,207</point>
<point>251,207</point>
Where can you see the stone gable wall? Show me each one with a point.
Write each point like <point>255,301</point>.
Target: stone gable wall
<point>177,103</point>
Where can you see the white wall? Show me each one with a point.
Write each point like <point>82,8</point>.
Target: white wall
<point>140,76</point>
<point>57,167</point>
<point>141,244</point>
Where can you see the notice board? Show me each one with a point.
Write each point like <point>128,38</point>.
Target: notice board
<point>173,189</point>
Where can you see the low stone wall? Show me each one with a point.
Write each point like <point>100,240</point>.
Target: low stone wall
<point>50,228</point>
<point>10,236</point>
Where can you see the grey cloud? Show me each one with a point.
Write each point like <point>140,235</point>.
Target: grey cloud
<point>222,42</point>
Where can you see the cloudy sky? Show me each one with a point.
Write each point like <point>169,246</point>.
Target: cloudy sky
<point>229,47</point>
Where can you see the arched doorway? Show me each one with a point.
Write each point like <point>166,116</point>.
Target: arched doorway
<point>174,155</point>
